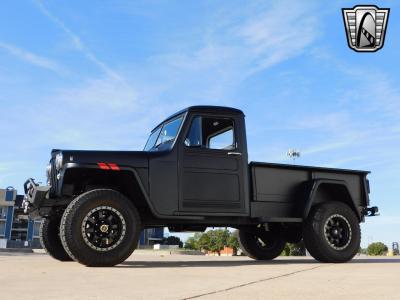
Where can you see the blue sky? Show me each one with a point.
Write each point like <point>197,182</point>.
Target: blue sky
<point>101,74</point>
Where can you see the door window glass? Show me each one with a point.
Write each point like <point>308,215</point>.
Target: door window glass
<point>222,140</point>
<point>211,133</point>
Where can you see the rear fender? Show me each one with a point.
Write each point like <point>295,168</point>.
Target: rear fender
<point>337,184</point>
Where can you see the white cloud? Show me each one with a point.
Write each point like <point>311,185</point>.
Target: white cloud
<point>326,146</point>
<point>99,113</point>
<point>77,42</point>
<point>367,115</point>
<point>3,167</point>
<point>343,161</point>
<point>103,113</point>
<point>278,33</point>
<point>331,121</point>
<point>32,58</point>
<point>104,94</point>
<point>232,47</point>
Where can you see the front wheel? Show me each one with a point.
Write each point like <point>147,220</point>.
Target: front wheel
<point>332,232</point>
<point>100,228</point>
<point>261,246</point>
<point>50,239</point>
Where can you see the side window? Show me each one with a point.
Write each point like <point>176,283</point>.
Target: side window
<point>222,140</point>
<point>211,133</point>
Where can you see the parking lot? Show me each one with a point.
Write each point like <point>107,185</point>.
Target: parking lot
<point>162,276</point>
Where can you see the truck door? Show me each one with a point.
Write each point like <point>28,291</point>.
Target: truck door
<point>213,166</point>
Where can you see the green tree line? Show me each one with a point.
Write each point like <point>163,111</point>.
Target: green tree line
<point>215,240</point>
<point>375,249</point>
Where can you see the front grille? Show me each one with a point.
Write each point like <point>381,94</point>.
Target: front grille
<point>53,178</point>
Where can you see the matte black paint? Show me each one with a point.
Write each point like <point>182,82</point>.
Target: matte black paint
<point>218,187</point>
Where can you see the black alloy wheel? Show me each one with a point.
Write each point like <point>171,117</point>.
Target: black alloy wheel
<point>103,228</point>
<point>332,232</point>
<point>337,232</point>
<point>100,228</point>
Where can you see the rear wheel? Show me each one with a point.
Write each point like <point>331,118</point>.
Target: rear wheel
<point>332,232</point>
<point>261,246</point>
<point>100,228</point>
<point>50,239</point>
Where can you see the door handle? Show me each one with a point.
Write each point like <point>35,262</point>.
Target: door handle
<point>234,154</point>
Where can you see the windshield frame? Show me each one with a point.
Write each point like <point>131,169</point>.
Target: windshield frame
<point>160,127</point>
<point>150,135</point>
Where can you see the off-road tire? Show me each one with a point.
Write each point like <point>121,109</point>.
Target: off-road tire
<point>74,240</point>
<point>50,239</point>
<point>315,236</point>
<point>250,245</point>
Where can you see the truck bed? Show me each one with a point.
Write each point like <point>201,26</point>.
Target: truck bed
<point>280,191</point>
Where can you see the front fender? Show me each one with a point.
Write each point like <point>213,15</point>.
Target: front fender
<point>68,167</point>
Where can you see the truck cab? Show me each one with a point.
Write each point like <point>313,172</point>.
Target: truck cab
<point>198,164</point>
<point>194,173</point>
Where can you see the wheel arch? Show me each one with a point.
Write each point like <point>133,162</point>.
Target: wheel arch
<point>324,190</point>
<point>80,178</point>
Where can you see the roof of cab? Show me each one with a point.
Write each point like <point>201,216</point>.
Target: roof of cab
<point>204,109</point>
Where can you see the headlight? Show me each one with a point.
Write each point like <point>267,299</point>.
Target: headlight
<point>59,161</point>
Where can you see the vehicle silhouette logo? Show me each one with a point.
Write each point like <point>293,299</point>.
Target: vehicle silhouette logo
<point>365,27</point>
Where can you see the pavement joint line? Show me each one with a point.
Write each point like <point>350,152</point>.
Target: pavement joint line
<point>252,282</point>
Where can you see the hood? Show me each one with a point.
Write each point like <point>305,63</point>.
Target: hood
<point>138,159</point>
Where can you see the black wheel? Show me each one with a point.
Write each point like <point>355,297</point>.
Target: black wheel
<point>265,246</point>
<point>50,239</point>
<point>100,228</point>
<point>332,232</point>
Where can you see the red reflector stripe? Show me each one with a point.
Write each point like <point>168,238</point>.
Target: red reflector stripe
<point>114,167</point>
<point>103,166</point>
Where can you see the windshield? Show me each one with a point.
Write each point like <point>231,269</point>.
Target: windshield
<point>152,139</point>
<point>163,137</point>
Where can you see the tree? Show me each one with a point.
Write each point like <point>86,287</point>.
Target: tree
<point>191,243</point>
<point>218,239</point>
<point>233,242</point>
<point>286,250</point>
<point>294,249</point>
<point>297,249</point>
<point>173,240</point>
<point>377,249</point>
<point>204,242</point>
<point>213,240</point>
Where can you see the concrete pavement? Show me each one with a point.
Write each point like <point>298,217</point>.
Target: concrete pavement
<point>145,276</point>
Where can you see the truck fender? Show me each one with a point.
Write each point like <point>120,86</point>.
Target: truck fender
<point>315,185</point>
<point>69,166</point>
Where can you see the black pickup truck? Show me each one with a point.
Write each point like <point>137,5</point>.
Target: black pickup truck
<point>192,174</point>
